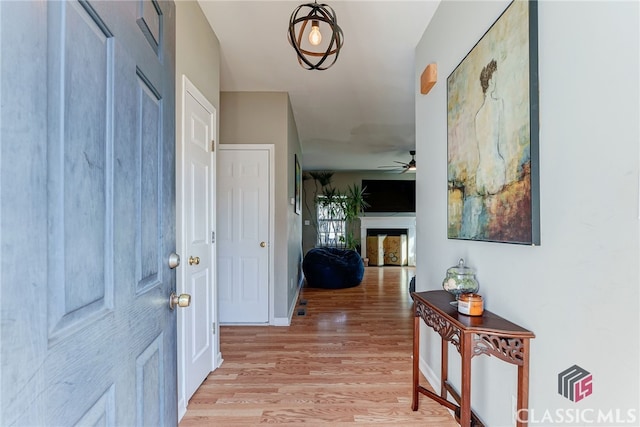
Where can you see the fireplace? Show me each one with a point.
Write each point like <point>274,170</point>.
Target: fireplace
<point>397,225</point>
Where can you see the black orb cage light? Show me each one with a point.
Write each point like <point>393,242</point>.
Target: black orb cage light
<point>305,35</point>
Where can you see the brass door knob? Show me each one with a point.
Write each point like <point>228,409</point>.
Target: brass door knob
<point>194,260</point>
<point>182,300</point>
<point>263,244</point>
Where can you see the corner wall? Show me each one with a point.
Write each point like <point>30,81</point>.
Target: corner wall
<point>266,118</point>
<point>578,290</point>
<point>294,220</point>
<point>197,53</point>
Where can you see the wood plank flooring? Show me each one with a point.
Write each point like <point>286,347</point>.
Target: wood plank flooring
<point>346,361</point>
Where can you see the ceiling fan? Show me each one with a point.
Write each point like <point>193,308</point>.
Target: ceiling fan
<point>403,167</point>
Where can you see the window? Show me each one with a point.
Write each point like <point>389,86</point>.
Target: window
<point>331,221</point>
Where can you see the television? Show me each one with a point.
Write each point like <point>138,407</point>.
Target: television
<point>390,195</point>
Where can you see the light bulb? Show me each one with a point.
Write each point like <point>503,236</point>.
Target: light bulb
<point>314,36</point>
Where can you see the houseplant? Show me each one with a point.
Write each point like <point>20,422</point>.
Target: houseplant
<point>339,209</point>
<point>335,262</point>
<point>354,204</point>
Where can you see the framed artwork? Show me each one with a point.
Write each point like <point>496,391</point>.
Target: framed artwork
<point>492,134</point>
<point>298,186</point>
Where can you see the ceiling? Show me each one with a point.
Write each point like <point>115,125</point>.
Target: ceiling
<point>357,115</point>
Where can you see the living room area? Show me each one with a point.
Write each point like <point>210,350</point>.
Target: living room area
<point>356,220</point>
<point>382,231</point>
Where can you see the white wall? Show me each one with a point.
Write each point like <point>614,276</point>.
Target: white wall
<point>578,291</point>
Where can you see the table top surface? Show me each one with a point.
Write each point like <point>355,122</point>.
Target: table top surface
<point>488,322</point>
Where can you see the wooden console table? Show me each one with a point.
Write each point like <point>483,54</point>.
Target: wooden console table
<point>471,335</point>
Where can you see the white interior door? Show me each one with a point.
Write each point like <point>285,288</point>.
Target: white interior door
<point>197,333</point>
<point>244,178</point>
<point>87,213</point>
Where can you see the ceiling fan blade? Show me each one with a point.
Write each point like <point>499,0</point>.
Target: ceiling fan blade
<point>402,167</point>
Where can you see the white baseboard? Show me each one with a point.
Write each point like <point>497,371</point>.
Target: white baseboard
<point>432,378</point>
<point>218,361</point>
<point>182,409</point>
<point>286,321</point>
<point>281,321</point>
<point>429,374</point>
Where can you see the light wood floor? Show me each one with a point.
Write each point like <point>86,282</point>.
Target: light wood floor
<point>346,361</point>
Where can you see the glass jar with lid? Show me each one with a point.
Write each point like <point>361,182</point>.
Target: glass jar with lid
<point>460,279</point>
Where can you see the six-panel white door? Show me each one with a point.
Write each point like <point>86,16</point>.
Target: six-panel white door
<point>243,235</point>
<point>196,330</point>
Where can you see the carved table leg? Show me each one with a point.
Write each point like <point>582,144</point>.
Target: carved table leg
<point>416,357</point>
<point>465,399</point>
<point>444,368</point>
<point>522,414</point>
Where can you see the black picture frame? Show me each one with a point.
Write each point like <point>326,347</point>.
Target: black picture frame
<point>297,186</point>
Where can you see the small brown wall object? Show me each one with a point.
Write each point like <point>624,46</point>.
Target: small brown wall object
<point>428,78</point>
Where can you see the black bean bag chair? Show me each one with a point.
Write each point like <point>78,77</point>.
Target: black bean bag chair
<point>332,268</point>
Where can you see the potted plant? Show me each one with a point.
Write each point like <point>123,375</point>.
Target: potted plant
<point>334,261</point>
<point>346,205</point>
<point>354,204</point>
<point>325,196</point>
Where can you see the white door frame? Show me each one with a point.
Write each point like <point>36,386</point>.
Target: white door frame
<point>181,240</point>
<point>270,148</point>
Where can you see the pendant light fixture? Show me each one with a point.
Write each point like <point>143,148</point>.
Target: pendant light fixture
<point>315,35</point>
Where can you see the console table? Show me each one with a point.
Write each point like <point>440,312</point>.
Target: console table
<point>488,334</point>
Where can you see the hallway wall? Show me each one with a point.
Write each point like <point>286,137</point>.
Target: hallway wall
<point>579,290</point>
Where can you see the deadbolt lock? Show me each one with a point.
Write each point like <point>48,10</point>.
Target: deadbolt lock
<point>174,260</point>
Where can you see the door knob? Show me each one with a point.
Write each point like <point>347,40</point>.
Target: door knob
<point>182,300</point>
<point>263,244</point>
<point>174,260</point>
<point>194,260</point>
